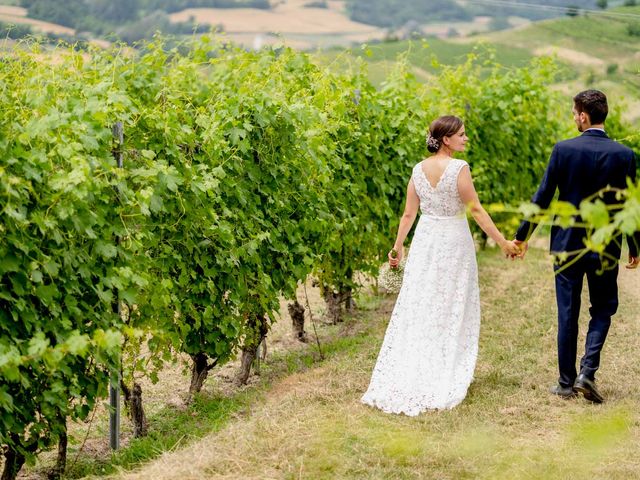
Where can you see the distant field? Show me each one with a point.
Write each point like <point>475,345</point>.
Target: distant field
<point>301,27</point>
<point>571,56</point>
<point>18,15</point>
<point>477,26</point>
<point>12,10</point>
<point>289,21</point>
<point>595,37</point>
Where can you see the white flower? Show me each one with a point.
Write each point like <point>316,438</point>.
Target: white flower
<point>390,279</point>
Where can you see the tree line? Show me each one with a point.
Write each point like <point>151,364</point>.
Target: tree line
<point>396,13</point>
<point>128,20</point>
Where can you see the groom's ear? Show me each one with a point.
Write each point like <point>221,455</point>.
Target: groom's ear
<point>584,118</point>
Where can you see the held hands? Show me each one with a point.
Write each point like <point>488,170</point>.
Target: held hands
<point>523,246</point>
<point>511,249</point>
<point>394,256</point>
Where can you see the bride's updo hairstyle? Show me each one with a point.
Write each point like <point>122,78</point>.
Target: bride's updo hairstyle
<point>441,127</point>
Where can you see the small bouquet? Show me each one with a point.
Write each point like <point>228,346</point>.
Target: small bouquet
<point>390,279</point>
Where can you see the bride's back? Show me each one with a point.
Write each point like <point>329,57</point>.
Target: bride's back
<point>436,183</point>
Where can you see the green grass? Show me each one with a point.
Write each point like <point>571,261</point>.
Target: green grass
<point>168,429</point>
<point>311,424</point>
<point>171,428</point>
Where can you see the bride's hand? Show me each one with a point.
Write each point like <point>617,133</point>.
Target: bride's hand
<point>394,257</point>
<point>510,248</point>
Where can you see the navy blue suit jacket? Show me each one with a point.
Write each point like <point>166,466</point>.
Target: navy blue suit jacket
<point>578,168</point>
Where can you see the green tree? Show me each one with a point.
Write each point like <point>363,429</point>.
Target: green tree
<point>572,11</point>
<point>114,11</point>
<point>63,12</point>
<point>633,29</point>
<point>395,13</point>
<point>499,23</point>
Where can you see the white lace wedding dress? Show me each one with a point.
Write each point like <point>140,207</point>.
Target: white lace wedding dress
<point>429,351</point>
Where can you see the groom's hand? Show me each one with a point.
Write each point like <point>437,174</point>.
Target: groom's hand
<point>633,262</point>
<point>524,246</point>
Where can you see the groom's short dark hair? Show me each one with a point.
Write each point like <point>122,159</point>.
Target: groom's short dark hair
<point>593,103</point>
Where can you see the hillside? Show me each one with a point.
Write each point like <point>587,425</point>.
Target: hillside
<point>302,23</point>
<point>606,36</point>
<point>602,50</point>
<point>598,51</point>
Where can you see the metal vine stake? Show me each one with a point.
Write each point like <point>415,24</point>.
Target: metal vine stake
<point>313,322</point>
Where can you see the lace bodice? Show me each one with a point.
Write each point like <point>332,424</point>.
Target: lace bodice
<point>443,199</point>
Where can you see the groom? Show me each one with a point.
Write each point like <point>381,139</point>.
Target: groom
<point>578,168</point>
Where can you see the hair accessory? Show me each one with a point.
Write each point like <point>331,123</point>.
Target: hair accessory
<point>432,142</point>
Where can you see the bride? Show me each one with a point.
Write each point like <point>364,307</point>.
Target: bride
<point>429,351</point>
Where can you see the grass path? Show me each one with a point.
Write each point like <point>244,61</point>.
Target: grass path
<point>311,424</point>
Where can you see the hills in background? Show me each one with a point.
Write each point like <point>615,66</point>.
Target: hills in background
<point>131,20</point>
<point>593,51</point>
<point>596,47</point>
<point>396,13</point>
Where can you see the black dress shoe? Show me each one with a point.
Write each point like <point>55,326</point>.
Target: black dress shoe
<point>564,392</point>
<point>588,388</point>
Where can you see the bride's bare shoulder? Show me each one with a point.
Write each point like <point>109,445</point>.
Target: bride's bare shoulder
<point>419,164</point>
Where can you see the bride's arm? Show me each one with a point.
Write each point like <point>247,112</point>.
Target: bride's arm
<point>406,221</point>
<point>470,198</point>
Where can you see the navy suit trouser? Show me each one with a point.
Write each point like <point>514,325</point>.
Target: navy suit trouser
<point>603,295</point>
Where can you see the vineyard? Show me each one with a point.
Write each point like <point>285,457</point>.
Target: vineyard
<point>160,202</point>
